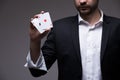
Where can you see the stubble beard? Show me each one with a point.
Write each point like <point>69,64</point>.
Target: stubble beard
<point>88,10</point>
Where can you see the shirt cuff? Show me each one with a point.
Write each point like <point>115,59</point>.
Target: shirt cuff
<point>40,64</point>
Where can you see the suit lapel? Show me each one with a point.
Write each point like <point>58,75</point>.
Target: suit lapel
<point>75,36</point>
<point>107,30</point>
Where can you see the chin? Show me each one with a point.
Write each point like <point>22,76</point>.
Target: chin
<point>84,12</point>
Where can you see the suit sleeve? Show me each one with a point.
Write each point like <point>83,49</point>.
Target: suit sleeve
<point>49,53</point>
<point>49,49</point>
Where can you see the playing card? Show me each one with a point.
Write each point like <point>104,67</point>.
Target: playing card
<point>43,22</point>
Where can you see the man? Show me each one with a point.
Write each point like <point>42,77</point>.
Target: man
<point>86,46</point>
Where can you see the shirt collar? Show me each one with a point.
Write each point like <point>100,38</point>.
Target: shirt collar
<point>99,21</point>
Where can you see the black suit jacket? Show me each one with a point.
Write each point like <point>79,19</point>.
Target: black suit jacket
<point>62,44</point>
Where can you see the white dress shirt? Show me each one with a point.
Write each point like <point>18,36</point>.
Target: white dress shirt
<point>40,64</point>
<point>90,45</point>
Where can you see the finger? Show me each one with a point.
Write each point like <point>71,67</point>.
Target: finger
<point>36,16</point>
<point>42,12</point>
<point>32,26</point>
<point>32,19</point>
<point>47,29</point>
<point>44,34</point>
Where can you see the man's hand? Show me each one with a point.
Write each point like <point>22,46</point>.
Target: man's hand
<point>35,40</point>
<point>35,35</point>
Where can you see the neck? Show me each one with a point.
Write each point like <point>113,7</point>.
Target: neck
<point>93,17</point>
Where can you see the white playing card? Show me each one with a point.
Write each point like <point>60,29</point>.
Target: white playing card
<point>43,22</point>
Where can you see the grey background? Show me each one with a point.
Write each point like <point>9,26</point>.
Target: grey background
<point>14,38</point>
